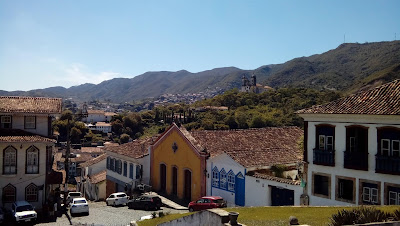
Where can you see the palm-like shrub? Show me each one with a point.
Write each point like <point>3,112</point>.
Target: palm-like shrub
<point>360,215</point>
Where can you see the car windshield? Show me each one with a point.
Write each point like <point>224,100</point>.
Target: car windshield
<point>220,201</point>
<point>74,194</point>
<point>79,201</point>
<point>121,195</point>
<point>24,208</point>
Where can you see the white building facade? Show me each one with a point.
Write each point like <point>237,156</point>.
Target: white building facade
<point>352,146</point>
<point>25,149</point>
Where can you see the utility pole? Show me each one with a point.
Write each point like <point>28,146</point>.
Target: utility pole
<point>79,116</point>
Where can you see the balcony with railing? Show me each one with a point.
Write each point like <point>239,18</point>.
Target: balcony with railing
<point>387,164</point>
<point>324,157</point>
<point>356,160</point>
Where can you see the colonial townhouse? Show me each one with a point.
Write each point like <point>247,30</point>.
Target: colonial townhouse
<point>92,181</point>
<point>25,149</point>
<point>191,164</point>
<point>353,148</point>
<point>128,165</point>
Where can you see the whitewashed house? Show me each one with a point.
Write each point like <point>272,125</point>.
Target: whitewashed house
<point>241,163</point>
<point>353,148</point>
<point>26,149</point>
<point>128,165</point>
<point>92,182</point>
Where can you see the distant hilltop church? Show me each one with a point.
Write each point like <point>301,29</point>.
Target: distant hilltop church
<point>252,86</point>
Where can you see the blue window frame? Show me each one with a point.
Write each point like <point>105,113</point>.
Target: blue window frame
<point>222,179</point>
<point>131,170</point>
<point>215,177</point>
<point>231,181</point>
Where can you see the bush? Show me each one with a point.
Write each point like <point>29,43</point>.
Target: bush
<point>360,215</point>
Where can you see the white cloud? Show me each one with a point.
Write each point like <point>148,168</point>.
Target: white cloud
<point>77,74</point>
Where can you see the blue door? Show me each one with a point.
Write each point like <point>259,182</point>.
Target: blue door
<point>239,189</point>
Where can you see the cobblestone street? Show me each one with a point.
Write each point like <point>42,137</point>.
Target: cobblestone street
<point>100,214</point>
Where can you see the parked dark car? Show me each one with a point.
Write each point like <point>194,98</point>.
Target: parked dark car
<point>145,202</point>
<point>207,202</point>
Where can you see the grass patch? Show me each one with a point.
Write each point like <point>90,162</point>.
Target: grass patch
<point>274,216</point>
<point>277,216</point>
<point>159,220</point>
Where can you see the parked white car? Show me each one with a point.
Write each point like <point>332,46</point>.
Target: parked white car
<point>116,199</point>
<point>79,205</point>
<point>72,195</point>
<point>23,211</point>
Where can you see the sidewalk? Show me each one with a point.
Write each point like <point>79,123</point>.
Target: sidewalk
<point>168,202</point>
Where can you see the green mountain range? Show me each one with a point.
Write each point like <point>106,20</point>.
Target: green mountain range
<point>348,68</point>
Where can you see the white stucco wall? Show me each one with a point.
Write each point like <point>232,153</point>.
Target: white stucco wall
<point>21,180</point>
<point>96,168</point>
<point>18,122</point>
<point>258,191</point>
<point>340,122</point>
<point>226,162</point>
<point>96,117</point>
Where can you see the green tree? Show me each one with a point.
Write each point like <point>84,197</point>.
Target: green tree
<point>124,138</point>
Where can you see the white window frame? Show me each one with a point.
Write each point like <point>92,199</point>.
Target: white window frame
<point>31,190</point>
<point>222,179</point>
<point>30,122</point>
<point>395,199</point>
<point>395,150</point>
<point>6,119</point>
<point>32,160</point>
<point>387,150</point>
<point>321,142</point>
<point>215,177</point>
<point>231,181</point>
<point>10,161</point>
<point>370,195</point>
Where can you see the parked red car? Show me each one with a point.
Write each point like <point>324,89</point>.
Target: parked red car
<point>207,202</point>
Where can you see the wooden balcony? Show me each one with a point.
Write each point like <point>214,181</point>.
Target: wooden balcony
<point>387,165</point>
<point>356,160</point>
<point>324,157</point>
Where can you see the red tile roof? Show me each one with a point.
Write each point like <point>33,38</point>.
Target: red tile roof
<point>216,142</point>
<point>98,177</point>
<point>382,100</point>
<point>266,157</point>
<point>17,135</point>
<point>135,149</point>
<point>94,161</point>
<point>44,105</point>
<point>277,179</point>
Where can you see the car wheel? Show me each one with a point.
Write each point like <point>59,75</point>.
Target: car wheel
<point>114,204</point>
<point>146,207</point>
<point>87,214</point>
<point>191,209</point>
<point>107,203</point>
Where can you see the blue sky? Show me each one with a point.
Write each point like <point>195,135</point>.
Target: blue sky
<point>66,43</point>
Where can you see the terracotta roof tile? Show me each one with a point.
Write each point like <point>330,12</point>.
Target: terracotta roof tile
<point>44,105</point>
<point>135,149</point>
<point>94,161</point>
<point>98,177</point>
<point>95,112</point>
<point>266,157</point>
<point>17,135</point>
<point>271,138</point>
<point>277,179</point>
<point>382,100</point>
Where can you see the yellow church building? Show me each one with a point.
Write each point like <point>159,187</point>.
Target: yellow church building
<point>178,165</point>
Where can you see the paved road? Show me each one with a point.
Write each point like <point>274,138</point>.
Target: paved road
<point>100,214</point>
